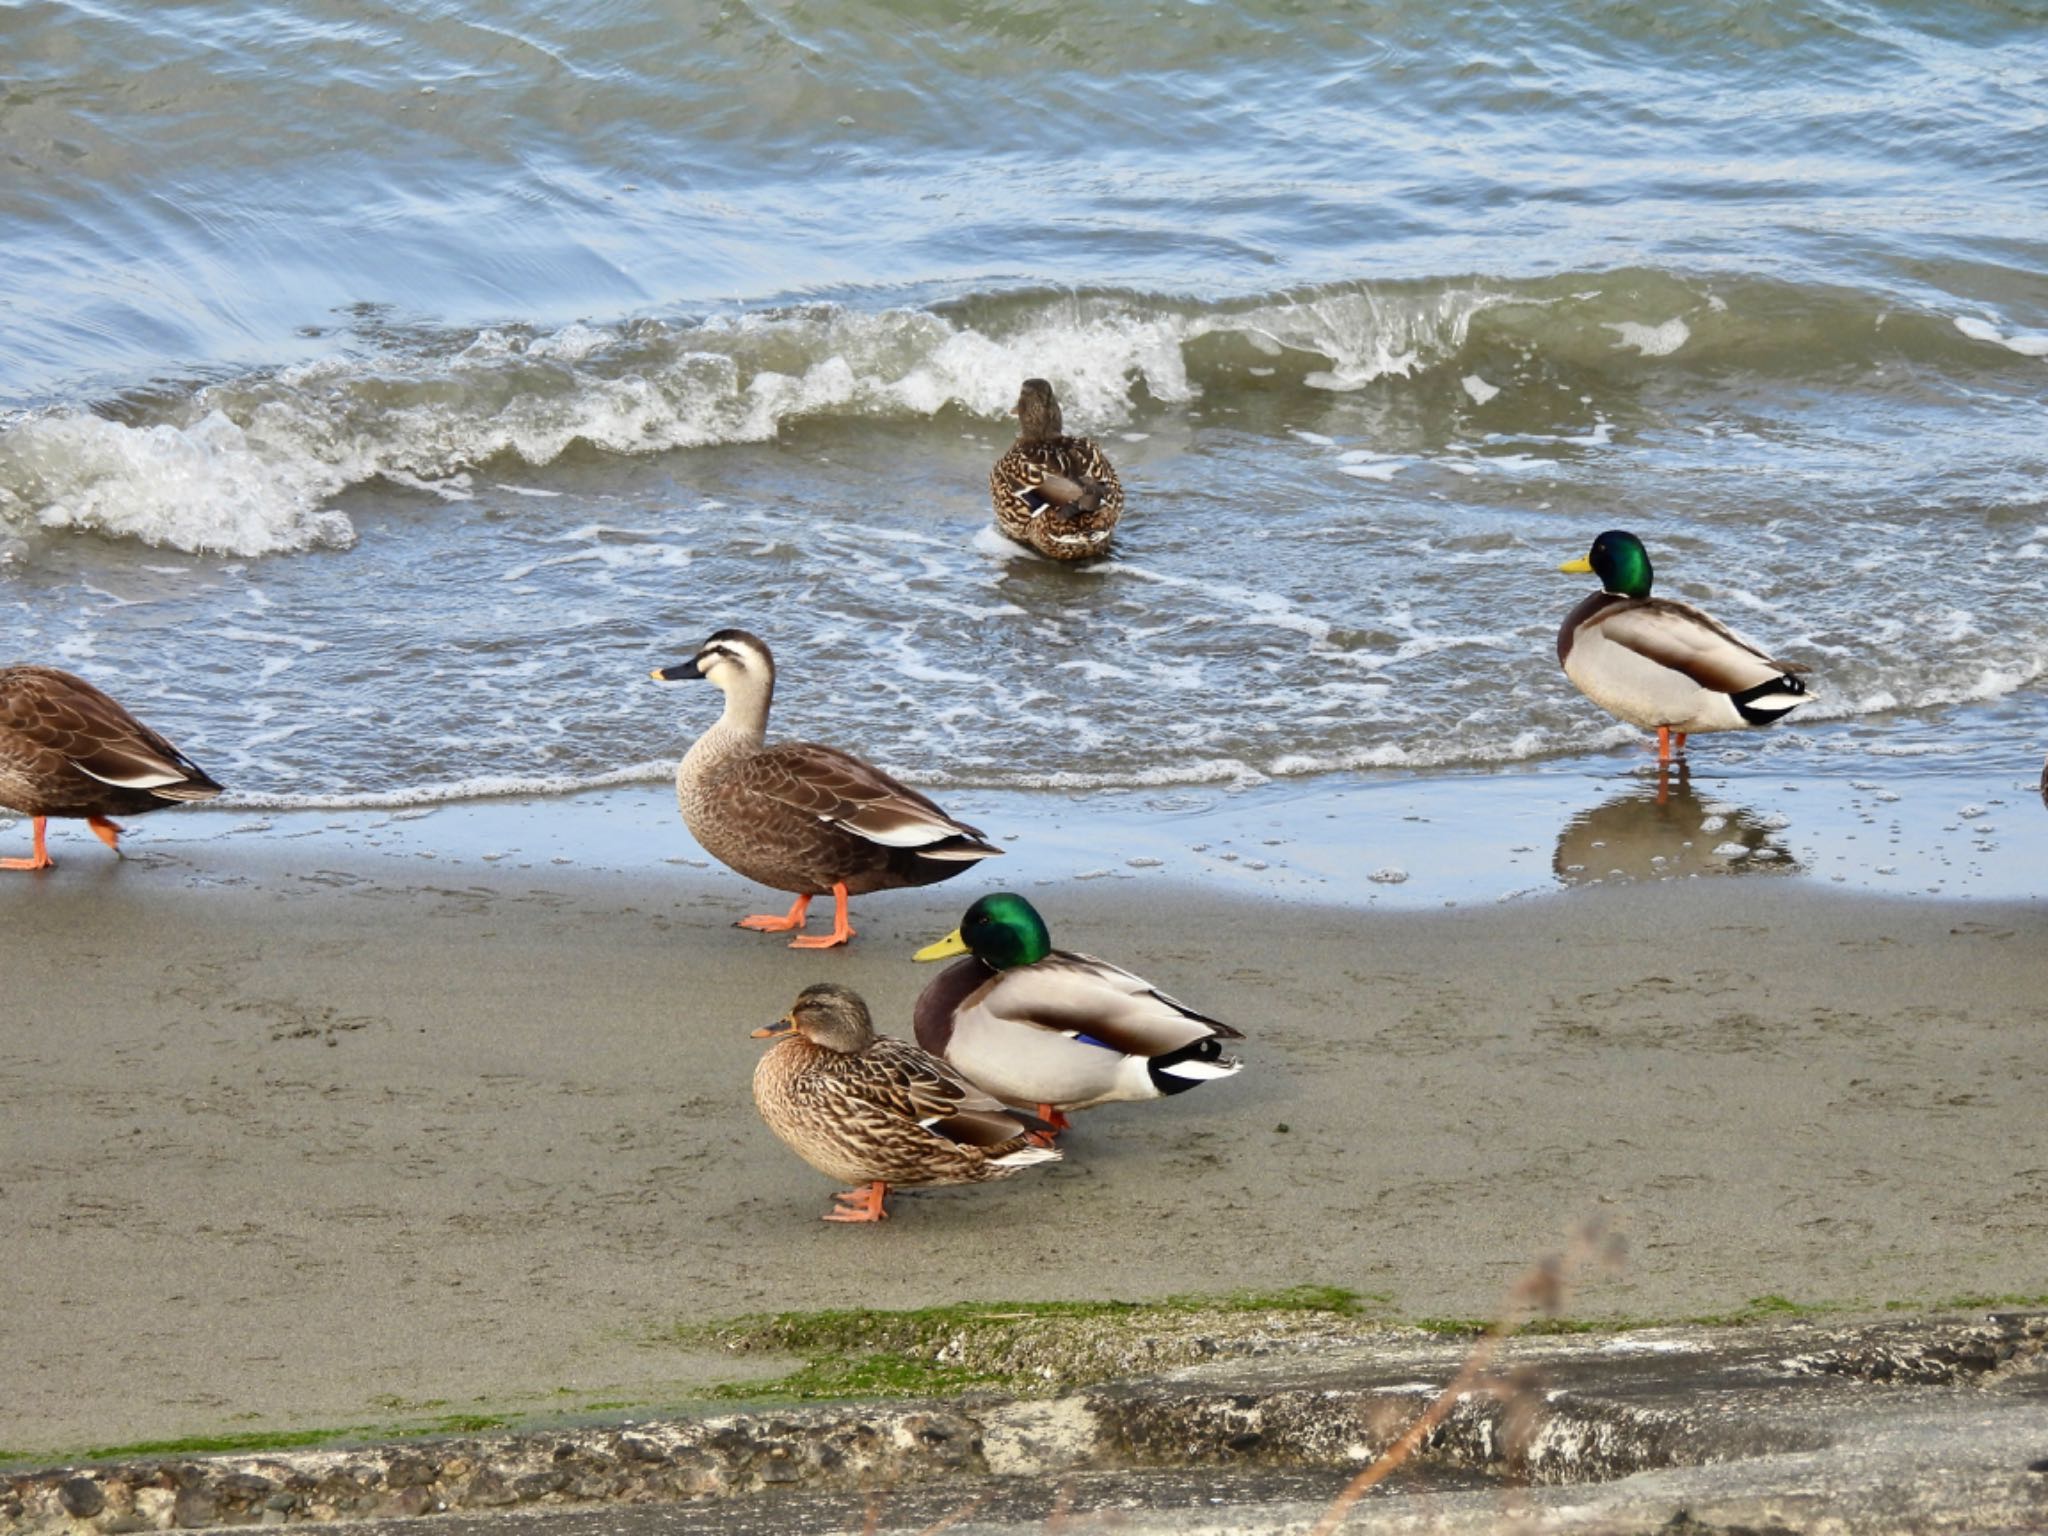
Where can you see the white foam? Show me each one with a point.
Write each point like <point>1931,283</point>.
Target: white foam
<point>1651,340</point>
<point>480,787</point>
<point>2026,343</point>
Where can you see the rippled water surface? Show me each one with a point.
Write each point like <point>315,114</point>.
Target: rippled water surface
<point>383,393</point>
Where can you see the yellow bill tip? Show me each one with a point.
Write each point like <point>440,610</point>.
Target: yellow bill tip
<point>952,944</point>
<point>1579,567</point>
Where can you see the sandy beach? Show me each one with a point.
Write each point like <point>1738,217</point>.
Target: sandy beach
<point>360,1118</point>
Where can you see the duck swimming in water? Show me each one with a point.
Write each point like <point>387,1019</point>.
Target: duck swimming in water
<point>1056,494</point>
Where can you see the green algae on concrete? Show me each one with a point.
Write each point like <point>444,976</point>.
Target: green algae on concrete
<point>1021,1347</point>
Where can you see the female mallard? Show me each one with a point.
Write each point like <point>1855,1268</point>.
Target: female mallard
<point>1050,1030</point>
<point>66,749</point>
<point>873,1111</point>
<point>798,816</point>
<point>1663,664</point>
<point>1055,493</point>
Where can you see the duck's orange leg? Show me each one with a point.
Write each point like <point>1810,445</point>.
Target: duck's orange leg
<point>41,859</point>
<point>842,929</point>
<point>863,1204</point>
<point>1664,743</point>
<point>1056,1122</point>
<point>108,832</point>
<point>1678,741</point>
<point>768,922</point>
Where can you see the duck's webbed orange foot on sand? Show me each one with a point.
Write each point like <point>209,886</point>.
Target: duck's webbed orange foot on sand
<point>768,922</point>
<point>842,928</point>
<point>40,859</point>
<point>863,1204</point>
<point>108,832</point>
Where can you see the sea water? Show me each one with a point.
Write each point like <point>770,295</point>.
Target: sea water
<point>384,392</point>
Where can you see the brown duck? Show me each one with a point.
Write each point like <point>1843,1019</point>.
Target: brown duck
<point>798,816</point>
<point>1057,494</point>
<point>876,1112</point>
<point>66,749</point>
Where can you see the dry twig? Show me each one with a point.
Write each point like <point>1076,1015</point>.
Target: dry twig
<point>1542,1290</point>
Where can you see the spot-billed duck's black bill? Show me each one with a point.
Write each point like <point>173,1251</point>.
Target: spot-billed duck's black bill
<point>682,671</point>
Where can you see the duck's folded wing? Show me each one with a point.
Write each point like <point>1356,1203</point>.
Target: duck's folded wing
<point>1679,636</point>
<point>906,1082</point>
<point>836,787</point>
<point>1092,1000</point>
<point>71,720</point>
<point>1070,472</point>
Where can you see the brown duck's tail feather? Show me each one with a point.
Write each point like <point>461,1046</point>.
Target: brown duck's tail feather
<point>960,850</point>
<point>1090,500</point>
<point>978,1128</point>
<point>201,788</point>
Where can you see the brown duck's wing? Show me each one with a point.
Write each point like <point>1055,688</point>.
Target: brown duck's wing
<point>1679,636</point>
<point>64,719</point>
<point>1082,459</point>
<point>907,1083</point>
<point>1075,994</point>
<point>1069,472</point>
<point>838,788</point>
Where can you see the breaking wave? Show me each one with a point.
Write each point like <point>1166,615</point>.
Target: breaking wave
<point>251,464</point>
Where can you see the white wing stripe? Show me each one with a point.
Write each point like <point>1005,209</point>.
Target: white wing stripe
<point>142,779</point>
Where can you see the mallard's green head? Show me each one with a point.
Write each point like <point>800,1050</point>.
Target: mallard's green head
<point>1002,931</point>
<point>1620,561</point>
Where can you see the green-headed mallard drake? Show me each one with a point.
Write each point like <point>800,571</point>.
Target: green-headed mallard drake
<point>877,1112</point>
<point>1055,493</point>
<point>66,749</point>
<point>798,816</point>
<point>1050,1030</point>
<point>1661,664</point>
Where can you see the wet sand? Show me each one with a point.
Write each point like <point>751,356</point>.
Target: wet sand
<point>344,1121</point>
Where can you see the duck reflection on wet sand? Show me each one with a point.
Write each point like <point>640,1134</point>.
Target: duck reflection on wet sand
<point>1660,829</point>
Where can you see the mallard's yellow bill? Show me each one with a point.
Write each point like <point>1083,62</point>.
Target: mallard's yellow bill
<point>1579,567</point>
<point>952,944</point>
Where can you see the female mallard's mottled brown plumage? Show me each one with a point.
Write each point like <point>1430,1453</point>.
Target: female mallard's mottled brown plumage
<point>66,749</point>
<point>1055,493</point>
<point>873,1111</point>
<point>798,816</point>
